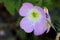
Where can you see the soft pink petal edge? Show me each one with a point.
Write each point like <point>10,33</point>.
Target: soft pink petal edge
<point>25,8</point>
<point>26,25</point>
<point>40,28</point>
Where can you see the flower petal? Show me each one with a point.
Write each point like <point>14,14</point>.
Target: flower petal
<point>40,10</point>
<point>40,27</point>
<point>23,11</point>
<point>26,25</point>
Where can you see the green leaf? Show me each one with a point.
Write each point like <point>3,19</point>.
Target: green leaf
<point>18,4</point>
<point>10,6</point>
<point>0,1</point>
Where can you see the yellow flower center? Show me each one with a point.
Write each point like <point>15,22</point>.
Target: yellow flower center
<point>34,15</point>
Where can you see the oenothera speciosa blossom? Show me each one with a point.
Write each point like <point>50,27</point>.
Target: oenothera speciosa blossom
<point>35,19</point>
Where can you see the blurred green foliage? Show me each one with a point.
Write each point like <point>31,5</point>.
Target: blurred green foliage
<point>21,34</point>
<point>0,1</point>
<point>10,6</point>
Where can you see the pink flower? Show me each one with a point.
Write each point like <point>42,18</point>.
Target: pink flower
<point>34,19</point>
